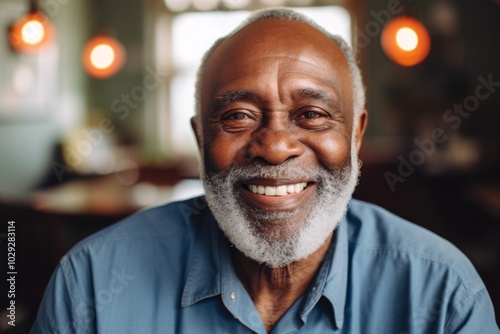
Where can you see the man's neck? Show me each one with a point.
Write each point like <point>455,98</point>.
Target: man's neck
<point>274,290</point>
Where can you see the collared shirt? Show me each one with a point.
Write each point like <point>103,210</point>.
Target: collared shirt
<point>168,270</point>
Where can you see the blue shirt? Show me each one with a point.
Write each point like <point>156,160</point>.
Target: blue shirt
<point>168,270</point>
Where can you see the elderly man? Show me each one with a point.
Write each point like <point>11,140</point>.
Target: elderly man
<point>276,245</point>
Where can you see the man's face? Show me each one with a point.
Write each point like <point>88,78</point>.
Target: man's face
<point>277,118</point>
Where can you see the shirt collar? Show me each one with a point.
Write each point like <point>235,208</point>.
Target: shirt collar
<point>203,279</point>
<point>204,276</point>
<point>211,273</point>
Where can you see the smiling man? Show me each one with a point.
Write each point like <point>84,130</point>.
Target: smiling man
<point>276,245</point>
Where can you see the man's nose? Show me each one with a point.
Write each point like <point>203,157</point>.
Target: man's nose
<point>274,146</point>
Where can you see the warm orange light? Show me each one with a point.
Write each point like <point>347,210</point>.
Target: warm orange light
<point>405,41</point>
<point>30,33</point>
<point>33,32</point>
<point>103,57</point>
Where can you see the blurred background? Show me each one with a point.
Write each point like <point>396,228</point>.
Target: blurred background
<point>96,97</point>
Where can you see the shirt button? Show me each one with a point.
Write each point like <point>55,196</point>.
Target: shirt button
<point>233,297</point>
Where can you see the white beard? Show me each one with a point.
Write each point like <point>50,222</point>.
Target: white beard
<point>245,227</point>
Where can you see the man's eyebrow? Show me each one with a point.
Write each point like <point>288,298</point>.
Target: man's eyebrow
<point>226,98</point>
<point>319,94</point>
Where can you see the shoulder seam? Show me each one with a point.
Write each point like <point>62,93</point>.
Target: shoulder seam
<point>427,257</point>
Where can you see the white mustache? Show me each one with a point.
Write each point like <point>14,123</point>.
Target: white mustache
<point>285,172</point>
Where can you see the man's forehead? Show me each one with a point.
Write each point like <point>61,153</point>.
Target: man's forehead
<point>279,26</point>
<point>277,39</point>
<point>277,34</point>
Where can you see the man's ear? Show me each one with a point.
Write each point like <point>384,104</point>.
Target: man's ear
<point>360,129</point>
<point>198,133</point>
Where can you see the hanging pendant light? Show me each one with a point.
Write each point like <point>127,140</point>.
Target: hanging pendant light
<point>103,56</point>
<point>405,41</point>
<point>31,32</point>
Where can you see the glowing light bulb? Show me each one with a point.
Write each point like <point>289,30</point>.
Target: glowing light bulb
<point>30,33</point>
<point>102,56</point>
<point>33,32</point>
<point>407,39</point>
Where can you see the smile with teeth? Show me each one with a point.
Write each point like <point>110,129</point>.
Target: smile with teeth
<point>282,190</point>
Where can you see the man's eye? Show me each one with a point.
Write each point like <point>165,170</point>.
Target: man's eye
<point>235,121</point>
<point>313,119</point>
<point>311,115</point>
<point>236,116</point>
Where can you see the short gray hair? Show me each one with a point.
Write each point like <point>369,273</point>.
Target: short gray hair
<point>289,14</point>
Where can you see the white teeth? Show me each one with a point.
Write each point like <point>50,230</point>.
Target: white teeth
<point>282,190</point>
<point>260,190</point>
<point>270,191</point>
